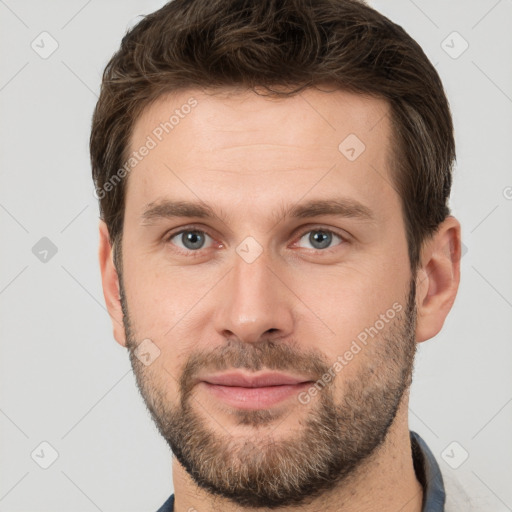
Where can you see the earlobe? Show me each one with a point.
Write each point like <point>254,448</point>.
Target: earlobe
<point>110,283</point>
<point>438,278</point>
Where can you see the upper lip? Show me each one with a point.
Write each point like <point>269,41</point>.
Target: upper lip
<point>254,381</point>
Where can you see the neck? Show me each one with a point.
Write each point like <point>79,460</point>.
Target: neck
<point>386,482</point>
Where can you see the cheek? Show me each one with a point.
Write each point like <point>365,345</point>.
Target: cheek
<point>159,383</point>
<point>167,305</point>
<point>349,299</point>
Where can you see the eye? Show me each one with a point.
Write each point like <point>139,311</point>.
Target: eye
<point>190,239</point>
<point>193,240</point>
<point>320,239</point>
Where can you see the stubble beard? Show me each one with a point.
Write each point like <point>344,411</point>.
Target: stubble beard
<point>261,466</point>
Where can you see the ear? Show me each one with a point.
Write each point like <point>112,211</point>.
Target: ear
<point>110,282</point>
<point>438,278</point>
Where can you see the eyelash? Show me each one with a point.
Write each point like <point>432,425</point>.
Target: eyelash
<point>198,252</point>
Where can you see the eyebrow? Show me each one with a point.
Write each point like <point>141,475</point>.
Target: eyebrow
<point>340,207</point>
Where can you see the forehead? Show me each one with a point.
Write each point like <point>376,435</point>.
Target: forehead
<point>311,115</point>
<point>240,147</point>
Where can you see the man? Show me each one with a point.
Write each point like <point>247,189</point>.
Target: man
<point>275,240</point>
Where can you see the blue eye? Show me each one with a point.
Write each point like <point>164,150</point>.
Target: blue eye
<point>320,238</point>
<point>194,240</point>
<point>191,240</point>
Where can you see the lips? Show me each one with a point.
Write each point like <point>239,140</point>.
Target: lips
<point>253,391</point>
<point>254,381</point>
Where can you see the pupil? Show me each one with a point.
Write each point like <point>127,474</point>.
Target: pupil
<point>320,237</point>
<point>193,239</point>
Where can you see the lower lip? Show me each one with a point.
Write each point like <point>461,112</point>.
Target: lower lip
<point>255,398</point>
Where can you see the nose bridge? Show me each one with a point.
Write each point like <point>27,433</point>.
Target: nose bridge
<point>253,299</point>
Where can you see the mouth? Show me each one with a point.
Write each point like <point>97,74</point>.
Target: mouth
<point>246,391</point>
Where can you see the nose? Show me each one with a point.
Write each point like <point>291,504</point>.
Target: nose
<point>254,302</point>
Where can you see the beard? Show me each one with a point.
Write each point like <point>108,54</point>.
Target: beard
<point>256,467</point>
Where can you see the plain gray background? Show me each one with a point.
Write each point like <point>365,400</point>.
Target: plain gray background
<point>64,380</point>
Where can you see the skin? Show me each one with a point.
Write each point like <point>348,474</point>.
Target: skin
<point>248,157</point>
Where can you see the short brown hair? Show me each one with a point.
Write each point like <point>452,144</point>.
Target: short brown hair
<point>282,47</point>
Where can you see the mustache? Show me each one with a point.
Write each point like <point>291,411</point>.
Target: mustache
<point>253,357</point>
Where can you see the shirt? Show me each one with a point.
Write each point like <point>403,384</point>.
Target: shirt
<point>427,472</point>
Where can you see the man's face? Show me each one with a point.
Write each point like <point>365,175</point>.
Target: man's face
<point>256,289</point>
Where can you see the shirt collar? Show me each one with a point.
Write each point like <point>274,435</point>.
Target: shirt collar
<point>428,474</point>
